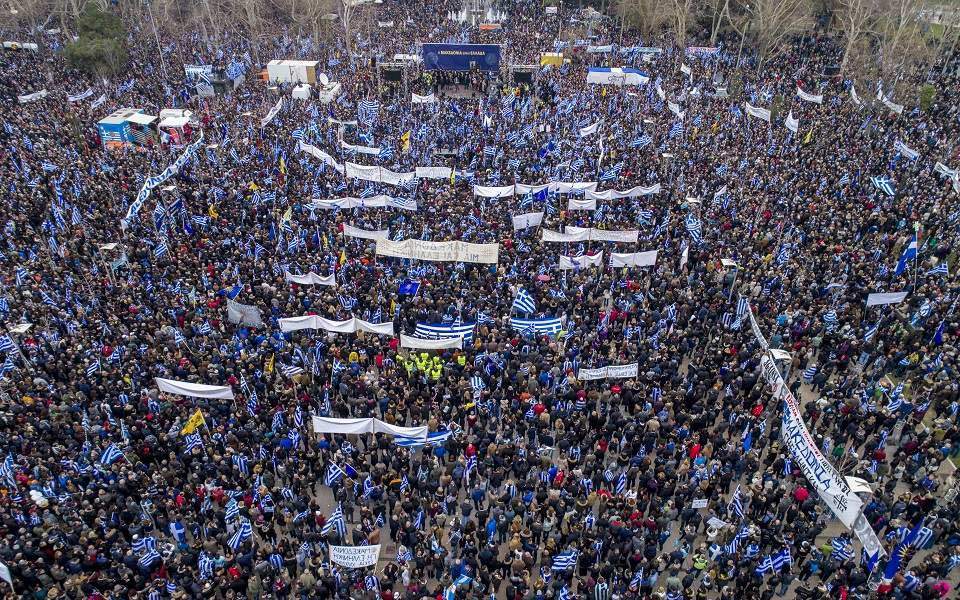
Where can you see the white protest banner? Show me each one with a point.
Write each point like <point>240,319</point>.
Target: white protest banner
<point>609,372</point>
<point>897,108</point>
<point>606,235</point>
<point>853,96</point>
<point>365,234</point>
<point>905,150</point>
<point>699,503</point>
<point>361,149</point>
<point>590,129</point>
<point>351,325</point>
<point>379,201</point>
<point>820,473</point>
<point>81,96</point>
<point>355,557</point>
<point>32,97</point>
<point>418,343</point>
<point>715,522</point>
<point>433,172</point>
<point>493,192</point>
<point>310,278</point>
<point>5,575</point>
<point>760,113</point>
<point>526,188</point>
<point>660,93</point>
<point>881,298</point>
<point>792,123</point>
<point>527,220</point>
<point>868,537</point>
<point>581,204</point>
<point>756,327</point>
<point>565,187</point>
<point>244,314</point>
<point>570,263</point>
<point>367,425</point>
<point>377,174</point>
<point>809,97</point>
<point>634,259</point>
<point>323,156</point>
<point>196,390</point>
<point>418,99</point>
<point>454,251</point>
<point>272,113</point>
<point>675,109</point>
<point>616,194</point>
<point>340,123</point>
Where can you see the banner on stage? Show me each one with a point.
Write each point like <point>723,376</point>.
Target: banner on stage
<point>461,57</point>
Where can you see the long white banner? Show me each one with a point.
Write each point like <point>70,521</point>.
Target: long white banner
<point>379,201</point>
<point>820,473</point>
<point>570,263</point>
<point>605,235</point>
<point>760,113</point>
<point>633,192</point>
<point>355,557</point>
<point>365,234</point>
<point>196,390</point>
<point>323,156</point>
<point>581,204</point>
<point>272,114</point>
<point>454,251</point>
<point>377,174</point>
<point>357,426</point>
<point>560,187</point>
<point>418,99</point>
<point>310,278</point>
<point>360,149</point>
<point>634,259</point>
<point>881,298</point>
<point>351,325</point>
<point>809,97</point>
<point>609,372</point>
<point>418,343</point>
<point>156,180</point>
<point>527,220</point>
<point>433,172</point>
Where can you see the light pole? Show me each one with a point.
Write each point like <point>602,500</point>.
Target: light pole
<point>156,36</point>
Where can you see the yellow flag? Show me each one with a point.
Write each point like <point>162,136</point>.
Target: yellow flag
<point>469,405</point>
<point>452,176</point>
<point>405,141</point>
<point>603,92</point>
<point>254,186</point>
<point>806,140</point>
<point>287,215</point>
<point>343,256</point>
<point>393,307</point>
<point>212,211</point>
<point>269,366</point>
<point>283,166</point>
<point>195,420</point>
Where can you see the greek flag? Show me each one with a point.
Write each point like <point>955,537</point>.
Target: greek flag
<point>736,504</point>
<point>110,455</point>
<point>940,269</point>
<point>334,473</point>
<point>692,223</point>
<point>870,332</point>
<point>243,533</point>
<point>93,367</point>
<point>477,383</point>
<point>612,173</point>
<point>548,326</point>
<point>150,557</point>
<point>160,249</point>
<point>440,331</point>
<point>842,550</point>
<point>335,522</point>
<point>436,438</point>
<point>641,142</point>
<point>676,129</point>
<point>192,441</point>
<point>565,560</point>
<point>883,184</point>
<point>290,370</point>
<point>780,559</point>
<point>241,463</point>
<point>830,320</point>
<point>622,483</point>
<point>524,302</point>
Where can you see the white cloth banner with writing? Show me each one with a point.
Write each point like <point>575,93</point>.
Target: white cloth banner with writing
<point>433,172</point>
<point>590,129</point>
<point>527,220</point>
<point>365,234</point>
<point>361,149</point>
<point>156,180</point>
<point>32,97</point>
<point>905,150</point>
<point>351,325</point>
<point>792,123</point>
<point>609,372</point>
<point>323,156</point>
<point>310,278</point>
<point>760,113</point>
<point>581,204</point>
<point>272,114</point>
<point>380,201</point>
<point>570,263</point>
<point>493,192</point>
<point>897,108</point>
<point>417,343</point>
<point>809,97</point>
<point>376,174</point>
<point>195,390</point>
<point>616,194</point>
<point>453,251</point>
<point>81,96</point>
<point>634,259</point>
<point>245,314</point>
<point>418,99</point>
<point>881,298</point>
<point>355,557</point>
<point>820,473</point>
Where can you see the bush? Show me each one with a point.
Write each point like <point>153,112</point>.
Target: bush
<point>927,92</point>
<point>100,49</point>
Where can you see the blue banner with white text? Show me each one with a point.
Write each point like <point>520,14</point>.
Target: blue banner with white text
<point>461,57</point>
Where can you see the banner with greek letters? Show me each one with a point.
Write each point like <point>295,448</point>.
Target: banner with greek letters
<point>760,113</point>
<point>156,180</point>
<point>809,97</point>
<point>881,298</point>
<point>853,96</point>
<point>820,473</point>
<point>616,194</point>
<point>418,99</point>
<point>433,172</point>
<point>81,96</point>
<point>32,97</point>
<point>634,259</point>
<point>355,557</point>
<point>897,108</point>
<point>527,220</point>
<point>272,113</point>
<point>454,251</point>
<point>485,191</point>
<point>570,263</point>
<point>609,372</point>
<point>379,201</point>
<point>589,130</point>
<point>245,314</point>
<point>365,234</point>
<point>310,278</point>
<point>323,156</point>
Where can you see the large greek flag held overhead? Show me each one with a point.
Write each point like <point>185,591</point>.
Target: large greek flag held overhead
<point>549,326</point>
<point>440,331</point>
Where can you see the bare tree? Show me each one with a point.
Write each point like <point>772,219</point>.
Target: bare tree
<point>681,11</point>
<point>769,23</point>
<point>900,42</point>
<point>646,16</point>
<point>856,20</point>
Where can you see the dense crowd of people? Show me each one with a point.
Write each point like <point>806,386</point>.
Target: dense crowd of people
<point>535,481</point>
